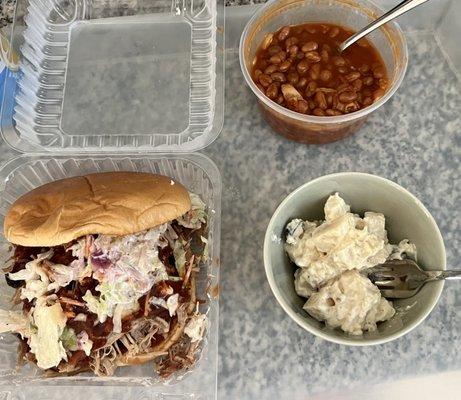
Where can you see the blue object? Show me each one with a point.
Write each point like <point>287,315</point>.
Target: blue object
<point>7,90</point>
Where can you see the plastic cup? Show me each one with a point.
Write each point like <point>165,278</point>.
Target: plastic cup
<point>388,40</point>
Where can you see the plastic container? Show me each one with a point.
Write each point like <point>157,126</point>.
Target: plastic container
<point>201,176</point>
<point>447,38</point>
<point>113,85</point>
<point>93,72</point>
<point>274,14</point>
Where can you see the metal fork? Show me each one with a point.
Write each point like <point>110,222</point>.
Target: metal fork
<point>401,279</point>
<point>399,9</point>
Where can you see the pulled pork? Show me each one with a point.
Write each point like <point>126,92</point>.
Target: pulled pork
<point>125,301</point>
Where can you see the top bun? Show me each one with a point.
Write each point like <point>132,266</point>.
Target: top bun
<point>111,203</point>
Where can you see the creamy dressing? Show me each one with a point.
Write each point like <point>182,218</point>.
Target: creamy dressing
<point>344,241</point>
<point>350,302</point>
<point>331,255</point>
<point>45,342</point>
<point>126,267</point>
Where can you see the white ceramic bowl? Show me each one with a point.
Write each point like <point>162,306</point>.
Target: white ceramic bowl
<point>406,218</point>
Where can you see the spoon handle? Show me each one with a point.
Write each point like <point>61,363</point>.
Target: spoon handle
<point>398,10</point>
<point>440,275</point>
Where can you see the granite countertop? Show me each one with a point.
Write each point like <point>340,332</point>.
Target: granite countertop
<point>7,7</point>
<point>243,2</point>
<point>413,140</point>
<point>6,12</point>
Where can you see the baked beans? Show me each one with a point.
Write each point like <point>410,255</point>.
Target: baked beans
<point>299,68</point>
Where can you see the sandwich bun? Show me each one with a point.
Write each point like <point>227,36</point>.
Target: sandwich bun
<point>109,203</point>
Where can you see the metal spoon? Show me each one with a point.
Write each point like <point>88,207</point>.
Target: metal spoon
<point>401,279</point>
<point>398,10</point>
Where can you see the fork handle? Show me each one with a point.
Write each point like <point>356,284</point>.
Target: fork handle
<point>398,10</point>
<point>441,275</point>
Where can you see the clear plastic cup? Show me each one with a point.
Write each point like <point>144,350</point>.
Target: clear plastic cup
<point>388,40</point>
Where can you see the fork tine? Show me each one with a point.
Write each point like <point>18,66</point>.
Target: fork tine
<point>387,284</point>
<point>385,274</point>
<point>398,279</point>
<point>389,273</point>
<point>398,294</point>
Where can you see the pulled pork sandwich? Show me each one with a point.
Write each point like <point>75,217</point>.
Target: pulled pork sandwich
<point>104,267</point>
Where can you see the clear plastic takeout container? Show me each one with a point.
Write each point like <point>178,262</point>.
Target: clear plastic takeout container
<point>199,175</point>
<point>388,40</point>
<point>113,85</point>
<point>98,75</point>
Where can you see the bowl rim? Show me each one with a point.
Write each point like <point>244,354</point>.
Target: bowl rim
<point>299,319</point>
<point>312,118</point>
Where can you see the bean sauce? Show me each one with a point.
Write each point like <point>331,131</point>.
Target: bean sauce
<point>299,68</point>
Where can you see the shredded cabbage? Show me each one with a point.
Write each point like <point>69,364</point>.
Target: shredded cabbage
<point>196,326</point>
<point>122,295</point>
<point>73,342</point>
<point>40,281</point>
<point>65,274</point>
<point>84,342</point>
<point>172,304</point>
<point>46,323</point>
<point>37,281</point>
<point>206,251</point>
<point>80,317</point>
<point>196,216</point>
<point>157,301</point>
<point>45,343</point>
<point>126,267</point>
<point>14,321</point>
<point>179,257</point>
<point>78,248</point>
<point>131,256</point>
<point>69,339</point>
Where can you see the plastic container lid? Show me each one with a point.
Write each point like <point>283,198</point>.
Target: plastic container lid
<point>94,79</point>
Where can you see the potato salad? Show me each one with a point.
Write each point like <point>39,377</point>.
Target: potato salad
<point>332,256</point>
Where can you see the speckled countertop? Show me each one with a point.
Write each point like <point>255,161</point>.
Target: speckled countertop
<point>6,12</point>
<point>7,7</point>
<point>413,140</point>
